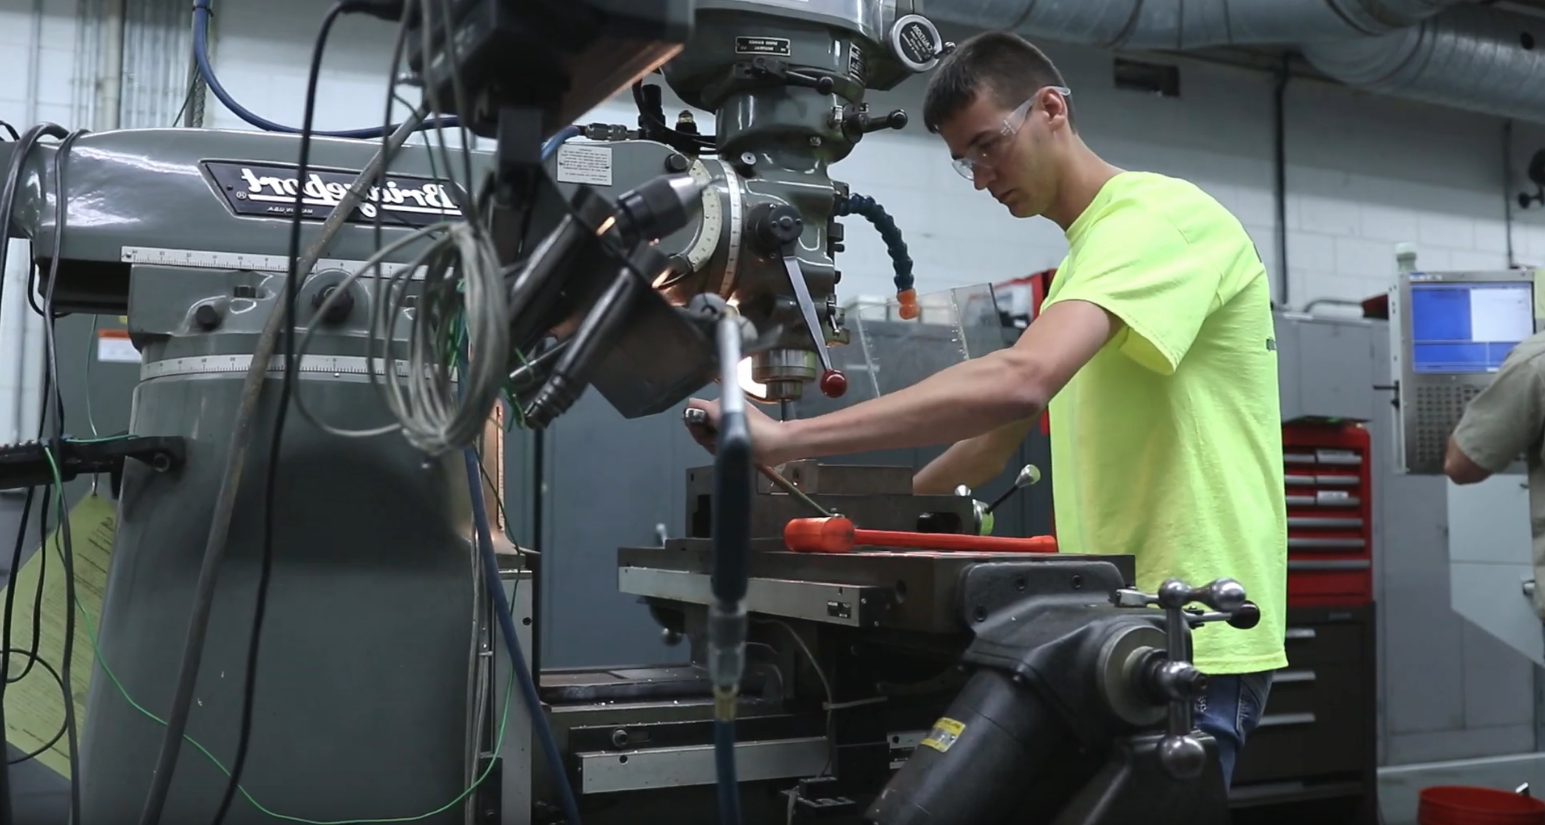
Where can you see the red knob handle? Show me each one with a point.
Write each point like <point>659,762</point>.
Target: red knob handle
<point>834,384</point>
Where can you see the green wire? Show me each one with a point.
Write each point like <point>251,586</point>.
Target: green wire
<point>504,719</point>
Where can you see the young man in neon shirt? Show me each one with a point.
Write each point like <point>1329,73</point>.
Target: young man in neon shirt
<point>1154,353</point>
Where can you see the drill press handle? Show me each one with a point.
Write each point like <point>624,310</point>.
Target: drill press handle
<point>1174,678</point>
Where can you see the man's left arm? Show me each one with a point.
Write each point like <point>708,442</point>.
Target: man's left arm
<point>960,402</point>
<point>1499,424</point>
<point>1136,272</point>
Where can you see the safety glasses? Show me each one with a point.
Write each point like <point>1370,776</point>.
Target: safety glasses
<point>983,152</point>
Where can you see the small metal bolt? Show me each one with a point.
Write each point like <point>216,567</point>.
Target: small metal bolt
<point>206,316</point>
<point>676,163</point>
<point>161,462</point>
<point>747,158</point>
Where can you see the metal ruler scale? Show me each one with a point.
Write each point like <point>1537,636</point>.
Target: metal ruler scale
<point>211,259</point>
<point>335,365</point>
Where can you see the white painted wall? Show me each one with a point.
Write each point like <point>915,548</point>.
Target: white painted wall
<point>1365,172</point>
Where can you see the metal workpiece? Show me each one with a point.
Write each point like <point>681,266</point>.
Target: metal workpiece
<point>872,497</point>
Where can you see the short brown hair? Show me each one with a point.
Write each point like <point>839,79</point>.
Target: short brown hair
<point>1001,64</point>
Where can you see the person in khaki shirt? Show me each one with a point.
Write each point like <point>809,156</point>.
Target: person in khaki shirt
<point>1505,421</point>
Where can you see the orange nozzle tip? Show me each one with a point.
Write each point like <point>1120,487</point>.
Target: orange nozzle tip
<point>908,300</point>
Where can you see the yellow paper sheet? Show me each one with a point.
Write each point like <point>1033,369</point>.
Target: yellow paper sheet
<point>34,706</point>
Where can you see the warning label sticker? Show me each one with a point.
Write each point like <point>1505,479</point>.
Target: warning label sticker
<point>944,734</point>
<point>579,163</point>
<point>113,345</point>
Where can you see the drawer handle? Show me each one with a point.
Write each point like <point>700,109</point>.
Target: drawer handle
<point>1279,720</point>
<point>1300,543</point>
<point>1325,522</point>
<point>1300,633</point>
<point>1330,564</point>
<point>1285,677</point>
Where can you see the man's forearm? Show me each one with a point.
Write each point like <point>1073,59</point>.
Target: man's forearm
<point>972,462</point>
<point>966,400</point>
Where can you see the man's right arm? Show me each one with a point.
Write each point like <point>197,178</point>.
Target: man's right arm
<point>972,462</point>
<point>1499,424</point>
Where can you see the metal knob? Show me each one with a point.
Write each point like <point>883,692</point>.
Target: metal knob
<point>1028,476</point>
<point>1223,595</point>
<point>1182,757</point>
<point>834,384</point>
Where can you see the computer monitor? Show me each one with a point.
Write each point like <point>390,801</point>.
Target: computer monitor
<point>1451,332</point>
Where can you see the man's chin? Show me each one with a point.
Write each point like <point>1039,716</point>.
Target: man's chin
<point>1019,208</point>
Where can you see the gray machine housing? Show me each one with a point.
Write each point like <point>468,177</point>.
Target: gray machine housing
<point>1431,404</point>
<point>367,577</point>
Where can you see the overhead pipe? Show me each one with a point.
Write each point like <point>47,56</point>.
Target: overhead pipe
<point>1471,58</point>
<point>109,81</point>
<point>1189,24</point>
<point>1450,52</point>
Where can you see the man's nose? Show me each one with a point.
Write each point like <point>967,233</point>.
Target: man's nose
<point>981,176</point>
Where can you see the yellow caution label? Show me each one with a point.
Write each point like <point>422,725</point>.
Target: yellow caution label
<point>944,733</point>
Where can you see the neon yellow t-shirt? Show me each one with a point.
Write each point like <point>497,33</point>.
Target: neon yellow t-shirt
<point>1167,445</point>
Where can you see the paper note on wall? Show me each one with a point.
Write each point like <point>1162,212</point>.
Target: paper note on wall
<point>34,706</point>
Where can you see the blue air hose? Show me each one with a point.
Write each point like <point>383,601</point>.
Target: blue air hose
<point>511,641</point>
<point>206,70</point>
<point>557,140</point>
<point>871,210</point>
<point>495,584</point>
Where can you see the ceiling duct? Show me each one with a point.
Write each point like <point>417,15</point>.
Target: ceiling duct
<point>1468,57</point>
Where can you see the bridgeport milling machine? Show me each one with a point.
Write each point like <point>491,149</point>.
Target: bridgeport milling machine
<point>859,663</point>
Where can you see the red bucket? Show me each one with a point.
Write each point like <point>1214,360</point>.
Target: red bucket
<point>1460,805</point>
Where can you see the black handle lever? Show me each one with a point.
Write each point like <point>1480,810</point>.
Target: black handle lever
<point>1246,617</point>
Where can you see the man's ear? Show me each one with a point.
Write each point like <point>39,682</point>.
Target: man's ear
<point>1056,108</point>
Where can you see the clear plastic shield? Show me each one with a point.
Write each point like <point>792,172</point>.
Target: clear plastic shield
<point>886,353</point>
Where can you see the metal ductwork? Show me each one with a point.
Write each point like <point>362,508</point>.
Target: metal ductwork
<point>1469,58</point>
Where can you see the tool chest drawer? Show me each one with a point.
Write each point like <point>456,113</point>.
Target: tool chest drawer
<point>1310,726</point>
<point>1311,644</point>
<point>1319,716</point>
<point>1327,472</point>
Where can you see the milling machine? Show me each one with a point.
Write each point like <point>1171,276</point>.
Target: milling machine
<point>857,664</point>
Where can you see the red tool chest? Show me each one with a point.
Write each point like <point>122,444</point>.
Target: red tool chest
<point>1329,507</point>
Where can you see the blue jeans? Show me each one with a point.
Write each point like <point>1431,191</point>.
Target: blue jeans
<point>1229,712</point>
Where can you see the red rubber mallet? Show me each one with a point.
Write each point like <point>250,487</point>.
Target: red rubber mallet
<point>838,535</point>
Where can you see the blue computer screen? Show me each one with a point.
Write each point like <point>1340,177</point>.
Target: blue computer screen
<point>1468,327</point>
